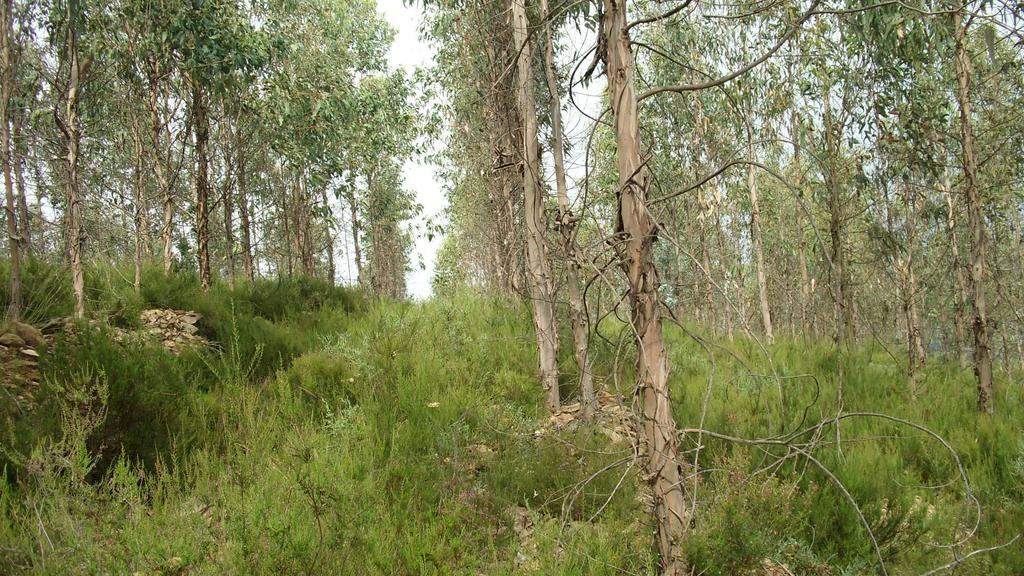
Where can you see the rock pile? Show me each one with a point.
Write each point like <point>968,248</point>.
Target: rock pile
<point>19,360</point>
<point>176,329</point>
<point>614,419</point>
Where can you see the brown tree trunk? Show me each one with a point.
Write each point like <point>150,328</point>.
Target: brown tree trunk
<point>725,263</point>
<point>305,231</point>
<point>975,221</point>
<point>838,273</point>
<point>229,216</point>
<point>17,163</point>
<point>202,127</point>
<point>329,237</point>
<point>353,206</point>
<point>538,272</point>
<point>156,130</point>
<point>567,228</point>
<point>638,233</point>
<point>960,302</point>
<point>71,132</point>
<point>915,341</point>
<point>806,325</point>
<point>139,202</point>
<point>13,239</point>
<point>762,275</point>
<point>243,214</point>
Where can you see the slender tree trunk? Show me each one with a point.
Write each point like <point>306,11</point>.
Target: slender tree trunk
<point>975,221</point>
<point>960,302</point>
<point>329,237</point>
<point>705,286</point>
<point>724,262</point>
<point>843,314</point>
<point>156,130</point>
<point>229,216</point>
<point>806,325</point>
<point>243,214</point>
<point>202,127</point>
<point>762,275</point>
<point>353,206</point>
<point>567,228</point>
<point>538,271</point>
<point>17,164</point>
<point>13,239</point>
<point>71,131</point>
<point>305,217</point>
<point>638,233</point>
<point>915,341</point>
<point>138,201</point>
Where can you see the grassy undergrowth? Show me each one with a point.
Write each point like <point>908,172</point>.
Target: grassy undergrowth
<point>328,435</point>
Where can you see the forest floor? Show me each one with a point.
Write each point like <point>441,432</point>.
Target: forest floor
<point>307,430</point>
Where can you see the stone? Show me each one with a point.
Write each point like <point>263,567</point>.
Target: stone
<point>11,340</point>
<point>30,334</point>
<point>55,325</point>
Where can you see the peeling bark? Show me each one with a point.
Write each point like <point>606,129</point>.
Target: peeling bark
<point>638,234</point>
<point>538,270</point>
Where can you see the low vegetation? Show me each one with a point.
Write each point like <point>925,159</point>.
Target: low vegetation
<point>323,433</point>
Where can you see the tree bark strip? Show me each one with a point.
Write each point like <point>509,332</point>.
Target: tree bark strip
<point>538,271</point>
<point>638,234</point>
<point>14,241</point>
<point>202,126</point>
<point>975,221</point>
<point>567,228</point>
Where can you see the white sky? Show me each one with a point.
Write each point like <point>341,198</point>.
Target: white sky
<point>409,52</point>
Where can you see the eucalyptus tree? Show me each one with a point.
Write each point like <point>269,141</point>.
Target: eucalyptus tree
<point>6,77</point>
<point>68,20</point>
<point>212,40</point>
<point>538,266</point>
<point>637,231</point>
<point>474,65</point>
<point>566,225</point>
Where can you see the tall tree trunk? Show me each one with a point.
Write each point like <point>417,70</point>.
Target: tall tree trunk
<point>138,201</point>
<point>838,272</point>
<point>705,286</point>
<point>567,228</point>
<point>915,341</point>
<point>71,132</point>
<point>725,263</point>
<point>13,239</point>
<point>304,218</point>
<point>638,233</point>
<point>329,236</point>
<point>538,272</point>
<point>202,127</point>
<point>17,163</point>
<point>243,214</point>
<point>975,220</point>
<point>229,216</point>
<point>156,130</point>
<point>806,325</point>
<point>762,275</point>
<point>960,302</point>
<point>353,205</point>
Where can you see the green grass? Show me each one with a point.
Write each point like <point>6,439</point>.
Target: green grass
<point>327,435</point>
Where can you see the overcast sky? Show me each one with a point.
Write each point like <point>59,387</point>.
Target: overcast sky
<point>409,52</point>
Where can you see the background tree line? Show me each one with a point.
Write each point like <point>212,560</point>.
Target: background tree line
<point>238,139</point>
